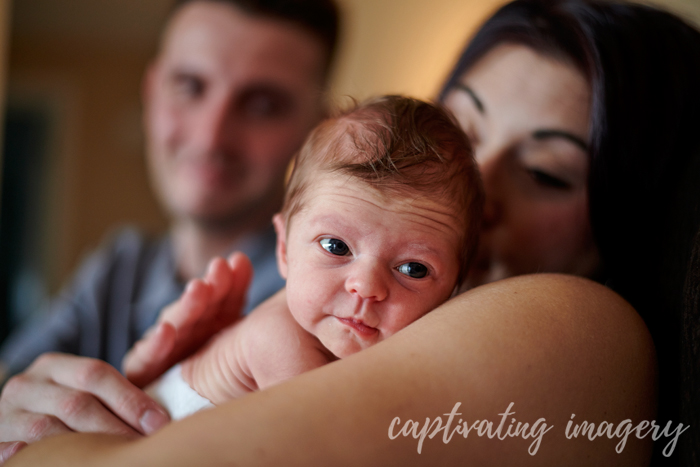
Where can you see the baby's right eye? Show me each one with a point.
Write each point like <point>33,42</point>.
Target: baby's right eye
<point>334,246</point>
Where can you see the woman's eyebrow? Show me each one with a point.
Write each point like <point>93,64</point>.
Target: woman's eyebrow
<point>470,92</point>
<point>546,134</point>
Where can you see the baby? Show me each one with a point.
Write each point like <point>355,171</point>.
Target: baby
<point>379,224</point>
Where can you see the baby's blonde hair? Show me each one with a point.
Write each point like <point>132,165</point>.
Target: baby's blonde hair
<point>401,146</point>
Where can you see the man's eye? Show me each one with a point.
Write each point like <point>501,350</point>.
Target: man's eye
<point>266,104</point>
<point>414,270</point>
<point>334,246</point>
<point>546,180</point>
<point>261,106</point>
<point>188,85</point>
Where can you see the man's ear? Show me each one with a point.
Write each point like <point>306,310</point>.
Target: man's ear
<point>281,249</point>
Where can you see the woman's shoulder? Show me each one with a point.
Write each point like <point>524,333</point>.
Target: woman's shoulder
<point>559,347</point>
<point>569,315</point>
<point>565,327</point>
<point>561,303</point>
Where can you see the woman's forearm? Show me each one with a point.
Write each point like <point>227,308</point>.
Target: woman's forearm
<point>551,345</point>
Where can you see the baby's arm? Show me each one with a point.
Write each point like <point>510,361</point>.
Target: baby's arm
<point>267,347</point>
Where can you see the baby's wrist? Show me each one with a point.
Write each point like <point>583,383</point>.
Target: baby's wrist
<point>186,370</point>
<point>208,373</point>
<point>174,394</point>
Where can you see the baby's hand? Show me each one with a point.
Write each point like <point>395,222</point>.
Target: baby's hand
<point>207,306</point>
<point>222,369</point>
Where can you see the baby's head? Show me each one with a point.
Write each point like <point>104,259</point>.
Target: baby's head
<point>380,221</point>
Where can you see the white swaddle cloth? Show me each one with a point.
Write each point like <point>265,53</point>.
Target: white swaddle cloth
<point>176,396</point>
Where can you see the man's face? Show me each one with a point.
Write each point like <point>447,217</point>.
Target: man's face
<point>228,101</point>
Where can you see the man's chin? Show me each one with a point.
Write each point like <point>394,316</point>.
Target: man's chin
<point>210,215</point>
<point>226,217</point>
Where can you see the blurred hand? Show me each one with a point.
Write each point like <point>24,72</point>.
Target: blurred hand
<point>207,306</point>
<point>9,449</point>
<point>61,393</point>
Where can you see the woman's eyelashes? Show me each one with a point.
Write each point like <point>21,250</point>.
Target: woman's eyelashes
<point>334,246</point>
<point>547,180</point>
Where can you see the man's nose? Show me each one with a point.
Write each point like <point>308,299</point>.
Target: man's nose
<point>214,127</point>
<point>368,279</point>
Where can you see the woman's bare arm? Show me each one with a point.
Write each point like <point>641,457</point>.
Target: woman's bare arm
<point>553,345</point>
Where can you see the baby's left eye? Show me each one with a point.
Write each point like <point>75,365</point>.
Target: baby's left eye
<point>414,270</point>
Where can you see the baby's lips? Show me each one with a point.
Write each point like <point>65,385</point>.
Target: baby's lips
<point>361,328</point>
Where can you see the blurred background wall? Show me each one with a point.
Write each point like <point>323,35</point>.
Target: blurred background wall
<point>74,165</point>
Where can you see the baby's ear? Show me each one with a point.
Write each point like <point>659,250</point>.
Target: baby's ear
<point>281,249</point>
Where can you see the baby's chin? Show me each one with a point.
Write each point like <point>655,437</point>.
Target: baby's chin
<point>343,348</point>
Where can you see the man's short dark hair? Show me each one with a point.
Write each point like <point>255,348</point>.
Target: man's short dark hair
<point>318,17</point>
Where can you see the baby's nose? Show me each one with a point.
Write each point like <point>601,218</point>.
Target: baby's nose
<point>369,279</point>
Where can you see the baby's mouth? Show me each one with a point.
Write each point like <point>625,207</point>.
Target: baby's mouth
<point>362,329</point>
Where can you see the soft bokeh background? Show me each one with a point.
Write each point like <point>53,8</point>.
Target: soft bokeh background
<point>70,72</point>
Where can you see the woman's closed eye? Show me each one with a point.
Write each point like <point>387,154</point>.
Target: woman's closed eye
<point>547,180</point>
<point>334,246</point>
<point>413,270</point>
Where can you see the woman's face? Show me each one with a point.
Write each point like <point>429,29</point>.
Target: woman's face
<point>528,118</point>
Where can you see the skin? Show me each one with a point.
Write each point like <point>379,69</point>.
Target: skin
<point>360,292</point>
<point>62,393</point>
<point>557,345</point>
<point>227,101</point>
<point>338,300</point>
<point>528,118</point>
<point>554,345</point>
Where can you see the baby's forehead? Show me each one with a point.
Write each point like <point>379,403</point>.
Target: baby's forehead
<point>334,189</point>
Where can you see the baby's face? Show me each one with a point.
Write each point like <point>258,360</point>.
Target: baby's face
<point>361,266</point>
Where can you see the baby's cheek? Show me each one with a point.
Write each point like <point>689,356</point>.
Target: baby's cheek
<point>416,307</point>
<point>296,301</point>
<point>303,302</point>
<point>397,320</point>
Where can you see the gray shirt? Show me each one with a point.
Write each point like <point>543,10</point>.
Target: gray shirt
<point>117,295</point>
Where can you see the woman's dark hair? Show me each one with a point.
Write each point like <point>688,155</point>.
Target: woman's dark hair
<point>643,66</point>
<point>690,345</point>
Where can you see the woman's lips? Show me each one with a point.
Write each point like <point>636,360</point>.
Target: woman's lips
<point>362,329</point>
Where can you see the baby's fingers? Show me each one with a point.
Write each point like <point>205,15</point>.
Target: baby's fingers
<point>151,356</point>
<point>188,309</point>
<point>235,298</point>
<point>220,278</point>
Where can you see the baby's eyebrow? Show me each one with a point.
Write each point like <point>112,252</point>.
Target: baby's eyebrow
<point>327,219</point>
<point>425,249</point>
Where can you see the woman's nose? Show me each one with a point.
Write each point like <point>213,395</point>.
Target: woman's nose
<point>368,279</point>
